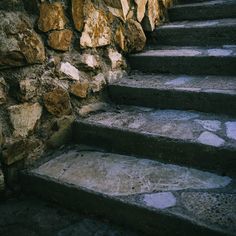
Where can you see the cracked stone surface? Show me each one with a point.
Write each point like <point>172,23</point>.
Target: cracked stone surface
<point>175,124</point>
<point>118,175</point>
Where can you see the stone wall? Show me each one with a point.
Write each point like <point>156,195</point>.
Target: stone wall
<point>56,58</point>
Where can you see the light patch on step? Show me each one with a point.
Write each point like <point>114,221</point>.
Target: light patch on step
<point>219,52</point>
<point>179,81</point>
<point>211,139</point>
<point>118,175</point>
<point>211,125</point>
<point>160,200</point>
<point>231,130</point>
<point>206,23</point>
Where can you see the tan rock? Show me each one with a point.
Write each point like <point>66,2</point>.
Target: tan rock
<point>120,38</point>
<point>89,62</point>
<point>80,89</point>
<point>93,107</point>
<point>98,83</point>
<point>63,133</point>
<point>131,37</point>
<point>119,7</point>
<point>78,14</point>
<point>17,149</point>
<point>141,8</point>
<point>116,59</point>
<point>24,118</point>
<point>20,45</point>
<point>57,102</point>
<point>155,14</point>
<point>97,29</point>
<point>168,3</point>
<point>3,91</point>
<point>60,40</point>
<point>70,71</point>
<point>51,17</point>
<point>28,89</point>
<point>115,75</point>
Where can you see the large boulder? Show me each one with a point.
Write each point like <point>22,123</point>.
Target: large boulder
<point>19,43</point>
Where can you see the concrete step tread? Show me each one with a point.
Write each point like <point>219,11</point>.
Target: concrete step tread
<point>168,192</point>
<point>188,126</point>
<point>205,4</point>
<point>220,23</point>
<point>207,84</point>
<point>173,51</point>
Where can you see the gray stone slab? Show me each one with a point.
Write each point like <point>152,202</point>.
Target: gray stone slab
<point>118,175</point>
<point>169,194</point>
<point>176,124</point>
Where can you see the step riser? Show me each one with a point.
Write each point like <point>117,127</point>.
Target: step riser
<point>146,221</point>
<point>156,147</point>
<point>194,36</point>
<point>190,1</point>
<point>202,12</point>
<point>174,99</point>
<point>184,65</point>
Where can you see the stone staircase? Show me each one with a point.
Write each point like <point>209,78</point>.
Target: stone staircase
<point>177,106</point>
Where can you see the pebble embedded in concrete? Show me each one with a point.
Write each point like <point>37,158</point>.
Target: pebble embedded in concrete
<point>211,125</point>
<point>211,139</point>
<point>219,52</point>
<point>231,130</point>
<point>160,200</point>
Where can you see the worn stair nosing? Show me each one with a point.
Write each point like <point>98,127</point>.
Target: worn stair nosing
<point>167,149</point>
<point>167,98</point>
<point>203,10</point>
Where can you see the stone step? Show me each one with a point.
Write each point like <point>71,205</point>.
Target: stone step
<point>215,94</point>
<point>195,33</point>
<point>186,60</point>
<point>150,197</point>
<point>191,1</point>
<point>203,11</point>
<point>202,140</point>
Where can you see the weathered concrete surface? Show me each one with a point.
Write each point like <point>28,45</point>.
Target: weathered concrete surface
<point>118,175</point>
<point>158,189</point>
<point>176,124</point>
<point>186,60</point>
<point>203,93</point>
<point>33,217</point>
<point>183,137</point>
